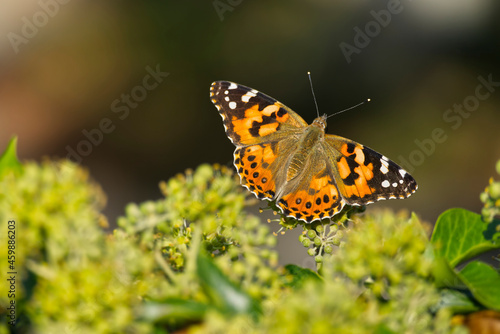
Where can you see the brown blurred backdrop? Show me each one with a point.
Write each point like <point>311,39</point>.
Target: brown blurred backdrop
<point>68,68</point>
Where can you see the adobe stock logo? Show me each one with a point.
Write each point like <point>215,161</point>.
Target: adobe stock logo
<point>372,29</point>
<point>122,108</point>
<point>31,25</point>
<point>225,6</point>
<point>454,117</point>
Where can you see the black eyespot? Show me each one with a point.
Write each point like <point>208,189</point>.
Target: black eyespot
<point>264,180</point>
<point>298,200</point>
<point>251,157</point>
<point>308,205</point>
<point>326,199</point>
<point>318,201</point>
<point>255,175</point>
<point>253,165</point>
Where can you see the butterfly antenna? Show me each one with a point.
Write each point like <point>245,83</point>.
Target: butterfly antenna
<point>357,105</point>
<point>312,90</point>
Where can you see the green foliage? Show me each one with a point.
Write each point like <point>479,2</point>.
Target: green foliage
<point>460,234</point>
<point>208,200</point>
<point>380,276</point>
<point>483,282</point>
<point>8,160</point>
<point>194,260</point>
<point>491,199</point>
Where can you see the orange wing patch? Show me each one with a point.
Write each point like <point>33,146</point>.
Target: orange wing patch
<point>355,172</point>
<point>252,164</point>
<point>320,200</point>
<point>258,123</point>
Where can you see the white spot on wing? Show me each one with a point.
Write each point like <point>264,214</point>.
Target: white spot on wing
<point>247,96</point>
<point>226,92</point>
<point>232,86</point>
<point>384,169</point>
<point>226,98</point>
<point>386,184</point>
<point>395,184</point>
<point>232,105</point>
<point>402,172</point>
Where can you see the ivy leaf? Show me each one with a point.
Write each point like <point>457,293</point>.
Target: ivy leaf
<point>383,329</point>
<point>8,160</point>
<point>444,275</point>
<point>224,294</point>
<point>173,310</point>
<point>459,234</point>
<point>295,276</point>
<point>457,301</point>
<point>484,283</point>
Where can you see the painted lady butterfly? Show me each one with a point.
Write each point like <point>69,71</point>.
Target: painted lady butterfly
<point>311,175</point>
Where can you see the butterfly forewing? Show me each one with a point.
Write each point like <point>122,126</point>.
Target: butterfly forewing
<point>251,117</point>
<point>364,175</point>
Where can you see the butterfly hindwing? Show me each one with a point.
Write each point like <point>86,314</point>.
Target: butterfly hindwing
<point>252,164</point>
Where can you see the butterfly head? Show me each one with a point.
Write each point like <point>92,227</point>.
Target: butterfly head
<point>320,122</point>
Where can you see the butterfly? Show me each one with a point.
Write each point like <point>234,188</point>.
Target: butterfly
<point>311,175</point>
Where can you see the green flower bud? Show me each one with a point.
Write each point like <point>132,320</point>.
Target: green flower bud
<point>494,190</point>
<point>306,242</point>
<point>484,197</point>
<point>311,234</point>
<point>317,241</point>
<point>336,241</point>
<point>487,214</point>
<point>334,228</point>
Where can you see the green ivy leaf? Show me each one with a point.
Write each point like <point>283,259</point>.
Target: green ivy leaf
<point>8,160</point>
<point>383,329</point>
<point>173,310</point>
<point>296,276</point>
<point>457,301</point>
<point>444,275</point>
<point>459,234</point>
<point>224,294</point>
<point>483,282</point>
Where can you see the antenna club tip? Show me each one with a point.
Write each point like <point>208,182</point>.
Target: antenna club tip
<point>308,72</point>
<point>368,100</point>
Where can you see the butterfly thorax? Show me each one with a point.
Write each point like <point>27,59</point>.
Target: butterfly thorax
<point>320,122</point>
<point>312,136</point>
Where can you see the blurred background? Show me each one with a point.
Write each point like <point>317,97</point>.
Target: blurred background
<point>123,86</point>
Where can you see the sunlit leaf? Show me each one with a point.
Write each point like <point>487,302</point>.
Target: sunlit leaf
<point>459,235</point>
<point>8,160</point>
